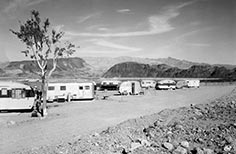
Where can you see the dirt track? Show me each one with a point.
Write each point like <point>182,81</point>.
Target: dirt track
<point>67,121</point>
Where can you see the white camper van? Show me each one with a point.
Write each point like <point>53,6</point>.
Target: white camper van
<point>148,83</point>
<point>193,83</point>
<point>130,87</point>
<point>72,91</point>
<point>166,84</point>
<point>16,96</point>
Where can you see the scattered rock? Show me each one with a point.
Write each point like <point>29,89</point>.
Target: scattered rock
<point>154,145</point>
<point>180,150</point>
<point>145,143</point>
<point>11,122</point>
<point>179,126</point>
<point>134,145</point>
<point>168,146</point>
<point>197,151</point>
<point>96,134</point>
<point>227,148</point>
<point>208,151</point>
<point>185,144</point>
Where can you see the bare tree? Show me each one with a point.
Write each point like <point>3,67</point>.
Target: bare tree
<point>43,44</point>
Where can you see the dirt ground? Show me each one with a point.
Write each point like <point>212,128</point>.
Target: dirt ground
<point>68,121</point>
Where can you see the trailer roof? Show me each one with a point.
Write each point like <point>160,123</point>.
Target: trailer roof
<point>166,81</point>
<point>9,84</point>
<point>71,83</point>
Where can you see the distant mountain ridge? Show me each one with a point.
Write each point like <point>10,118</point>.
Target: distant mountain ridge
<point>134,69</point>
<point>104,63</point>
<point>107,62</point>
<point>95,67</point>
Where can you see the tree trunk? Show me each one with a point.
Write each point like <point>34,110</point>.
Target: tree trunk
<point>44,94</point>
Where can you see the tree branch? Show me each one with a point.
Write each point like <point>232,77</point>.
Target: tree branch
<point>54,62</point>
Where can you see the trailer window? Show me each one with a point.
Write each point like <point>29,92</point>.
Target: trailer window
<point>62,87</point>
<point>29,93</point>
<point>18,93</point>
<point>51,88</point>
<point>4,92</point>
<point>81,87</point>
<point>87,87</point>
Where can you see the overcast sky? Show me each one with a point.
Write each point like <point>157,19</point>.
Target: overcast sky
<point>195,30</point>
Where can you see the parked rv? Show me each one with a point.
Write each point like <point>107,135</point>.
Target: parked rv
<point>130,87</point>
<point>148,83</point>
<point>110,85</point>
<point>166,84</point>
<point>182,84</point>
<point>70,91</point>
<point>16,96</point>
<point>193,83</point>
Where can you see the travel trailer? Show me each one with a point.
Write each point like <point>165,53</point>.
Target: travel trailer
<point>16,96</point>
<point>130,87</point>
<point>70,91</point>
<point>166,84</point>
<point>182,84</point>
<point>188,84</point>
<point>148,83</point>
<point>193,83</point>
<point>110,85</point>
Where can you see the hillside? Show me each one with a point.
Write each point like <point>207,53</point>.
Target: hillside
<point>67,67</point>
<point>1,71</point>
<point>133,69</point>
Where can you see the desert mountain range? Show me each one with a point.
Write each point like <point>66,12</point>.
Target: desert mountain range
<point>119,67</point>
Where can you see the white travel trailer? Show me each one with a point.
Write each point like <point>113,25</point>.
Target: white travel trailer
<point>193,83</point>
<point>148,83</point>
<point>166,84</point>
<point>71,91</point>
<point>130,87</point>
<point>16,96</point>
<point>182,84</point>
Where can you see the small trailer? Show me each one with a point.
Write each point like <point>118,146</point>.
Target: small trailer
<point>182,84</point>
<point>110,85</point>
<point>16,96</point>
<point>193,83</point>
<point>148,83</point>
<point>166,84</point>
<point>131,88</point>
<point>70,91</point>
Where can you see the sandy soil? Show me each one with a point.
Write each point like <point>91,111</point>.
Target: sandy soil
<point>70,120</point>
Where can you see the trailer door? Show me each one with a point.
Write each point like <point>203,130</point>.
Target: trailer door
<point>81,92</point>
<point>133,88</point>
<point>88,92</point>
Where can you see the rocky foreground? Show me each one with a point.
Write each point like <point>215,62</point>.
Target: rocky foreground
<point>198,129</point>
